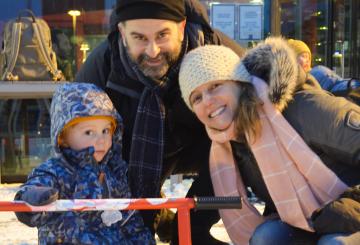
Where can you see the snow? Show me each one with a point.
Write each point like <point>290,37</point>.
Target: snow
<point>14,232</point>
<point>11,230</point>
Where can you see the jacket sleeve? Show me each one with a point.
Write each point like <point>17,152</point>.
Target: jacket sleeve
<point>329,125</point>
<point>38,177</point>
<point>96,68</point>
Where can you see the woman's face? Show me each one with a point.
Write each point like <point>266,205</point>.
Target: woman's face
<point>215,103</point>
<point>304,60</point>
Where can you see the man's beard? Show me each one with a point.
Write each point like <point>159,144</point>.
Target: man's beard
<point>156,72</point>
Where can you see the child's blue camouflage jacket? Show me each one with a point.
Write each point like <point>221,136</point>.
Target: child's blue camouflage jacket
<point>75,174</point>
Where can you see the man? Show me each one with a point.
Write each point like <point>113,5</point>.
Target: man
<point>138,67</point>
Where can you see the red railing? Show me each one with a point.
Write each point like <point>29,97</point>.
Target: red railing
<point>183,205</point>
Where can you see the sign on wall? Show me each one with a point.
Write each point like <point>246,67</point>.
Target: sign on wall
<point>250,22</point>
<point>223,18</point>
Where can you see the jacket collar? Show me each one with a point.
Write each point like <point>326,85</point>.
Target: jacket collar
<point>84,157</point>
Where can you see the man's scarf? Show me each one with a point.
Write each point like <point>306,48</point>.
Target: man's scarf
<point>296,178</point>
<point>147,146</point>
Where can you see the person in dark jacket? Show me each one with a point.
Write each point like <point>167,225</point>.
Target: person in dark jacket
<point>296,146</point>
<point>327,78</point>
<point>138,67</point>
<point>86,134</point>
<point>337,85</point>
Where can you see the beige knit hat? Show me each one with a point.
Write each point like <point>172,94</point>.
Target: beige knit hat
<point>209,63</point>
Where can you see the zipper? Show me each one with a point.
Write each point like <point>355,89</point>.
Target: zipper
<point>101,177</point>
<point>103,182</point>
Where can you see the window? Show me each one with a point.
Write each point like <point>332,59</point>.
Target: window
<point>25,123</point>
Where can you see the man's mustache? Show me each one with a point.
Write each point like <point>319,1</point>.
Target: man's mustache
<point>161,56</point>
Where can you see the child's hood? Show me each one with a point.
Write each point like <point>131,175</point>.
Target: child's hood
<point>72,100</point>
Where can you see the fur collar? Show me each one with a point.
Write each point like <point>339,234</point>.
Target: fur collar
<point>275,62</point>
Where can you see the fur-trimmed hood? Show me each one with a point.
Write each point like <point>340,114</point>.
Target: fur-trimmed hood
<point>275,62</point>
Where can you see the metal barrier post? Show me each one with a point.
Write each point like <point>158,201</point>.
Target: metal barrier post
<point>184,226</point>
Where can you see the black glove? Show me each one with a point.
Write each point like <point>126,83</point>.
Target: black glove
<point>38,196</point>
<point>339,216</point>
<point>352,193</point>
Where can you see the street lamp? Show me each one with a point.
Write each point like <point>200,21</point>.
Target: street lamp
<point>74,14</point>
<point>84,48</point>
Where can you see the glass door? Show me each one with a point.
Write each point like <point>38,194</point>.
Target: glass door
<point>345,45</point>
<point>340,37</point>
<point>331,29</point>
<point>307,20</point>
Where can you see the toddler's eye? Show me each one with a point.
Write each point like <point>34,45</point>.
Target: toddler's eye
<point>89,132</point>
<point>107,131</point>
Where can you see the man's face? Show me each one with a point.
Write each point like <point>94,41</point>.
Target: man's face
<point>154,45</point>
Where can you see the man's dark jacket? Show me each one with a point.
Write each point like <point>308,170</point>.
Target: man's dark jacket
<point>186,147</point>
<point>186,142</point>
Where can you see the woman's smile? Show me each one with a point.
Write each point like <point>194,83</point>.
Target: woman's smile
<point>217,112</point>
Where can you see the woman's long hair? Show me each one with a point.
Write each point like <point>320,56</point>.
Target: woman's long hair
<point>247,119</point>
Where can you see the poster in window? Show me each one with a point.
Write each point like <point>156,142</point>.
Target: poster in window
<point>223,18</point>
<point>250,22</point>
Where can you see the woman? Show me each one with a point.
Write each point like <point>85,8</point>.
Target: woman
<point>254,146</point>
<point>303,53</point>
<point>324,76</point>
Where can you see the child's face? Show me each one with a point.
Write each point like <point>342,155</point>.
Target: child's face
<point>304,61</point>
<point>215,103</point>
<point>96,133</point>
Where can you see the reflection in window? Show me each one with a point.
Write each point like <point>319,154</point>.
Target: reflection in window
<point>25,124</point>
<point>307,20</point>
<point>24,136</point>
<point>90,27</point>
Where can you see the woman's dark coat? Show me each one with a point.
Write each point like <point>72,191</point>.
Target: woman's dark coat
<point>329,125</point>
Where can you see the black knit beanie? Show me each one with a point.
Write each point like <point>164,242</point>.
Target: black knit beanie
<point>150,9</point>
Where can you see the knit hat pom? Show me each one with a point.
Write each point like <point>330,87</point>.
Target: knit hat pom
<point>209,63</point>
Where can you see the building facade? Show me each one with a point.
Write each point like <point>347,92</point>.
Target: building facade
<point>331,28</point>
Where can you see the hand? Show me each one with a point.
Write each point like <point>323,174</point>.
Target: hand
<point>352,193</point>
<point>38,196</point>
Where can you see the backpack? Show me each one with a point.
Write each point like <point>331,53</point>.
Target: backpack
<point>27,53</point>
